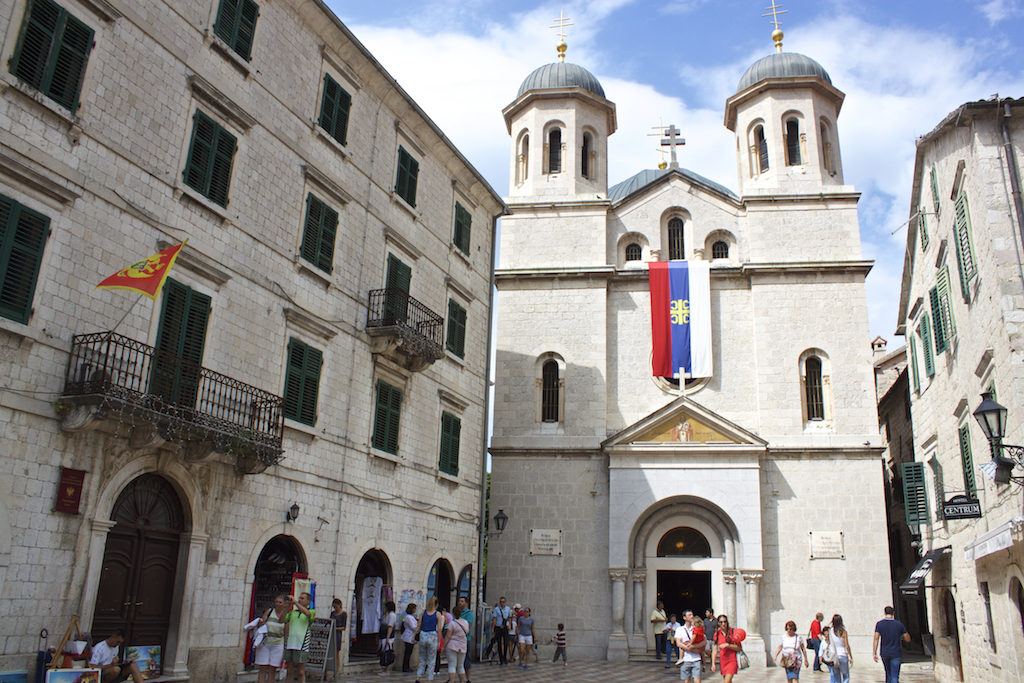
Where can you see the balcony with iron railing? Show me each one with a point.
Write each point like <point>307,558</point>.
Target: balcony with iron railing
<point>163,398</point>
<point>403,329</point>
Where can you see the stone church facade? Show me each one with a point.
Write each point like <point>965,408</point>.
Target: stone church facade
<point>307,394</point>
<point>702,492</point>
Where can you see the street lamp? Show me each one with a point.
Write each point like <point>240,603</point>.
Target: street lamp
<point>992,418</point>
<point>500,520</point>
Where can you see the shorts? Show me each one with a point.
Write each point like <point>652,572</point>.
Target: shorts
<point>528,640</point>
<point>270,655</point>
<point>690,670</point>
<point>296,656</point>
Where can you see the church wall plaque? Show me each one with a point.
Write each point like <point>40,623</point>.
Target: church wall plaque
<point>546,542</point>
<point>827,545</point>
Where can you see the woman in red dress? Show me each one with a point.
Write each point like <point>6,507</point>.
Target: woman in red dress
<point>727,644</point>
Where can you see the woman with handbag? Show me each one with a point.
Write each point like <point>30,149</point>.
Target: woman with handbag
<point>386,646</point>
<point>728,650</point>
<point>271,650</point>
<point>793,652</point>
<point>409,624</point>
<point>840,640</point>
<point>458,644</point>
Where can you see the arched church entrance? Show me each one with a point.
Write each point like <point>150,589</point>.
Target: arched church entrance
<point>440,582</point>
<point>140,560</point>
<point>373,587</point>
<point>683,589</point>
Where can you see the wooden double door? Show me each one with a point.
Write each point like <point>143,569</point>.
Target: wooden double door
<point>137,584</point>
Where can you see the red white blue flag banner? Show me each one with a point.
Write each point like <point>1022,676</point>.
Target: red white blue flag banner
<point>681,318</point>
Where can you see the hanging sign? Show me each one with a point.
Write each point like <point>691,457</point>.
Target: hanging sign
<point>961,507</point>
<point>69,490</point>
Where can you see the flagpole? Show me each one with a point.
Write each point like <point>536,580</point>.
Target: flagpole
<point>130,309</point>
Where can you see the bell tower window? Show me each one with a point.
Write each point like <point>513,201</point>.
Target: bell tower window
<point>555,150</point>
<point>793,143</point>
<point>719,250</point>
<point>549,392</point>
<point>585,156</point>
<point>761,149</point>
<point>523,160</point>
<point>675,239</point>
<point>827,160</point>
<point>633,252</point>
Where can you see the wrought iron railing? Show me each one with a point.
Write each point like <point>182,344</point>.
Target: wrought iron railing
<point>395,308</point>
<point>138,378</point>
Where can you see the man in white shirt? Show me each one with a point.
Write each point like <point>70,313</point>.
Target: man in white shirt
<point>104,656</point>
<point>690,641</point>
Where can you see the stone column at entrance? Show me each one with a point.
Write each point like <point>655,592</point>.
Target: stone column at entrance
<point>97,545</point>
<point>639,577</point>
<point>729,579</point>
<point>618,646</point>
<point>179,632</point>
<point>754,646</point>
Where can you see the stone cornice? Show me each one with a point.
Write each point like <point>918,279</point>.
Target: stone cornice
<point>214,98</point>
<point>800,198</point>
<point>748,269</point>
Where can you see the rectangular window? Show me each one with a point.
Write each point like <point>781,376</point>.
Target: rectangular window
<point>463,223</point>
<point>387,417</point>
<point>180,340</point>
<point>21,253</point>
<point>319,233</point>
<point>52,52</point>
<point>915,377</point>
<point>456,340</point>
<point>915,498</point>
<point>922,227</point>
<point>967,462</point>
<point>236,25</point>
<point>964,248</point>
<point>451,428</point>
<point>940,328</point>
<point>408,172</point>
<point>210,155</point>
<point>935,191</point>
<point>334,108</point>
<point>302,382</point>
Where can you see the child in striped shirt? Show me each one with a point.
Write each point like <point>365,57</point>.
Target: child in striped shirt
<point>559,640</point>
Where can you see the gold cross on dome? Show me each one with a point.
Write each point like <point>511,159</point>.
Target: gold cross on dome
<point>774,11</point>
<point>561,23</point>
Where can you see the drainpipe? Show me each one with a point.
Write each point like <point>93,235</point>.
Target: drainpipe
<point>1011,163</point>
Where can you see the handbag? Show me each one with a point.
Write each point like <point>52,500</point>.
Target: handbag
<point>743,660</point>
<point>787,661</point>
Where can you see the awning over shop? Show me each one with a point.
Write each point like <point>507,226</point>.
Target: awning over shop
<point>1002,537</point>
<point>913,584</point>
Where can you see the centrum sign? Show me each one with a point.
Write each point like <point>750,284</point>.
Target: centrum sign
<point>961,507</point>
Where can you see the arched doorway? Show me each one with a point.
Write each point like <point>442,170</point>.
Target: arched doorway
<point>464,586</point>
<point>951,629</point>
<point>373,587</point>
<point>140,559</point>
<point>682,589</point>
<point>280,559</point>
<point>440,580</point>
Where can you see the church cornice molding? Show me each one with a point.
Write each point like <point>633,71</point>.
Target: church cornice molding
<point>566,453</point>
<point>557,273</point>
<point>579,93</point>
<point>790,83</point>
<point>826,452</point>
<point>594,205</point>
<point>817,197</point>
<point>707,453</point>
<point>860,267</point>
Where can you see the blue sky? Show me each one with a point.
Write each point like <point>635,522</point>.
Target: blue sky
<point>903,64</point>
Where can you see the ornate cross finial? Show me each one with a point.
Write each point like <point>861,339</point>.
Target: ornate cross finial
<point>671,140</point>
<point>560,23</point>
<point>774,11</point>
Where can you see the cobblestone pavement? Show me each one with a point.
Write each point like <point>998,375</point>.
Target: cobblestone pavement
<point>634,672</point>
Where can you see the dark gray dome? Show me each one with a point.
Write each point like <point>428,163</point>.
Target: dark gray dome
<point>561,75</point>
<point>781,65</point>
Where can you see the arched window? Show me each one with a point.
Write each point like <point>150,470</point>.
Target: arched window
<point>549,392</point>
<point>675,239</point>
<point>793,142</point>
<point>719,250</point>
<point>555,150</point>
<point>585,155</point>
<point>812,386</point>
<point>826,150</point>
<point>761,149</point>
<point>523,160</point>
<point>464,586</point>
<point>684,542</point>
<point>633,252</point>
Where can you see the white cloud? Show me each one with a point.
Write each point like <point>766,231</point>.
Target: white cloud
<point>998,10</point>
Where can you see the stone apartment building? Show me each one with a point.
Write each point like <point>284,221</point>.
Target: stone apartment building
<point>307,394</point>
<point>961,305</point>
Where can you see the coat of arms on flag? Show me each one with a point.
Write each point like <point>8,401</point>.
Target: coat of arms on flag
<point>146,276</point>
<point>681,318</point>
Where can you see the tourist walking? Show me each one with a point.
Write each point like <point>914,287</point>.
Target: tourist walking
<point>524,627</point>
<point>710,626</point>
<point>386,645</point>
<point>457,645</point>
<point>271,651</point>
<point>728,643</point>
<point>467,615</point>
<point>793,652</point>
<point>840,641</point>
<point>513,632</point>
<point>297,637</point>
<point>658,621</point>
<point>814,638</point>
<point>689,638</point>
<point>559,640</point>
<point>670,640</point>
<point>340,619</point>
<point>500,617</point>
<point>890,634</point>
<point>409,624</point>
<point>427,630</point>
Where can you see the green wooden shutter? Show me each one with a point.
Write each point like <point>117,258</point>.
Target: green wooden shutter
<point>319,234</point>
<point>456,340</point>
<point>181,338</point>
<point>926,343</point>
<point>964,248</point>
<point>940,492</point>
<point>451,429</point>
<point>913,364</point>
<point>210,155</point>
<point>220,173</point>
<point>36,42</point>
<point>387,417</point>
<point>236,25</point>
<point>922,227</point>
<point>21,252</point>
<point>408,171</point>
<point>967,462</point>
<point>463,224</point>
<point>302,382</point>
<point>946,308</point>
<point>940,328</point>
<point>935,191</point>
<point>396,301</point>
<point>334,110</point>
<point>227,21</point>
<point>915,498</point>
<point>52,52</point>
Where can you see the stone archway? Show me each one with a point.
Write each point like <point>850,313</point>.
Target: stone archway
<point>373,583</point>
<point>280,559</point>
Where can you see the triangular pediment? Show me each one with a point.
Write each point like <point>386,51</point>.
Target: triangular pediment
<point>687,423</point>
